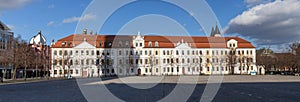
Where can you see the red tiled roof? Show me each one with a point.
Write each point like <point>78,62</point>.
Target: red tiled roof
<point>164,41</point>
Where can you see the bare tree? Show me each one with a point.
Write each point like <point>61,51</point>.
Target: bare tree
<point>265,57</point>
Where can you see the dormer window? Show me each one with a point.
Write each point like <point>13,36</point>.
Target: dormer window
<point>120,44</point>
<point>156,44</point>
<point>127,44</point>
<point>63,43</point>
<point>69,44</point>
<point>150,44</point>
<point>100,43</point>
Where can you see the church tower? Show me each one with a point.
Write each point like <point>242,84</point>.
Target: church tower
<point>215,32</point>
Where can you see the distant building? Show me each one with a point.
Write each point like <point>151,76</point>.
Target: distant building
<point>6,37</point>
<point>88,55</point>
<point>42,50</point>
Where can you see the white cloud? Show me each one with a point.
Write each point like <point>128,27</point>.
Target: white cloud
<point>251,3</point>
<point>12,4</point>
<point>50,23</point>
<point>76,19</point>
<point>273,23</point>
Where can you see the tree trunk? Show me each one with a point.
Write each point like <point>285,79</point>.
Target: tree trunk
<point>14,73</point>
<point>25,72</point>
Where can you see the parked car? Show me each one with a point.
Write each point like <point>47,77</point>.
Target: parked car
<point>70,77</point>
<point>297,73</point>
<point>273,73</point>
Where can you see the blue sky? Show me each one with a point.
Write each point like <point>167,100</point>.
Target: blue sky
<point>59,18</point>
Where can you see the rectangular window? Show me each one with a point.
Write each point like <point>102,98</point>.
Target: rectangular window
<point>77,71</point>
<point>87,62</point>
<point>146,52</point>
<point>92,52</point>
<point>141,44</point>
<point>156,52</point>
<point>71,71</point>
<point>76,52</point>
<point>98,52</point>
<point>60,52</point>
<point>120,52</point>
<point>87,52</point>
<point>55,52</point>
<point>82,52</point>
<point>71,52</point>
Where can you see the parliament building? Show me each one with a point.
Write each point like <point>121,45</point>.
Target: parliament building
<point>94,55</point>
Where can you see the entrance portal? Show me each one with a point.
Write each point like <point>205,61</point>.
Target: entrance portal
<point>139,72</point>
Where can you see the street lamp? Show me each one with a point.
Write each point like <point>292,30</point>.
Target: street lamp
<point>231,61</point>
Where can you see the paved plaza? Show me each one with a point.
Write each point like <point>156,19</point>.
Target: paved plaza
<point>157,88</point>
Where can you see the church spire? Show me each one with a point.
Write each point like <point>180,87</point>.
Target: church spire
<point>217,30</point>
<point>212,33</point>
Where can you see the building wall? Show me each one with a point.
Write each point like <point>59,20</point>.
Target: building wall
<point>84,61</point>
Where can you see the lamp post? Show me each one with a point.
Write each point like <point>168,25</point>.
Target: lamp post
<point>231,61</point>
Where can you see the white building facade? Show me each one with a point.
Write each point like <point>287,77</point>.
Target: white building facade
<point>87,55</point>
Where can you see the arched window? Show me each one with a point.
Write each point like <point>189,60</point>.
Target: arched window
<point>150,44</point>
<point>156,44</point>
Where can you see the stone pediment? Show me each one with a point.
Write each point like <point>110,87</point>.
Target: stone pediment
<point>84,45</point>
<point>182,46</point>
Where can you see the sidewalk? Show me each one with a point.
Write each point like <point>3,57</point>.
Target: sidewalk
<point>28,80</point>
